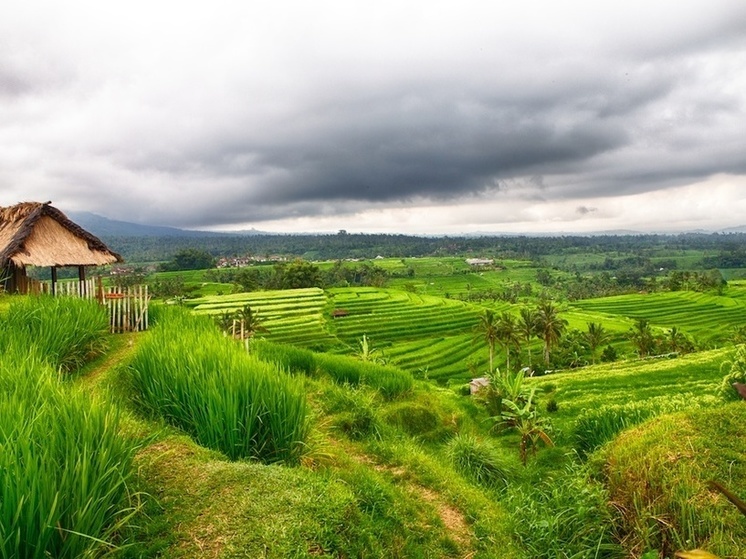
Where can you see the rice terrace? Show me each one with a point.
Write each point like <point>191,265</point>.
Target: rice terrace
<point>373,396</point>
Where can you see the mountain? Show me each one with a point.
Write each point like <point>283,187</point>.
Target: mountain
<point>105,227</point>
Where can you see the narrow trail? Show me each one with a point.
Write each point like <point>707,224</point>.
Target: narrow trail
<point>452,518</point>
<point>122,346</point>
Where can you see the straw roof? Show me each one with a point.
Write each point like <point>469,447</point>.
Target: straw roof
<point>36,234</point>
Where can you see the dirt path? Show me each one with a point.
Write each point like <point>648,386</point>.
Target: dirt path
<point>122,346</point>
<point>452,518</point>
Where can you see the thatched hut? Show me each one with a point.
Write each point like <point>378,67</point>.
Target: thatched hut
<point>36,234</point>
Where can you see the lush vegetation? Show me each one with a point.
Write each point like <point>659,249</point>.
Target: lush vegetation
<point>196,379</point>
<point>289,408</point>
<point>64,465</point>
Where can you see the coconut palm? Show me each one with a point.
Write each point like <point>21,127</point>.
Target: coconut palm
<point>550,326</point>
<point>595,337</point>
<point>641,336</point>
<point>527,327</point>
<point>508,335</point>
<point>251,324</point>
<point>488,331</point>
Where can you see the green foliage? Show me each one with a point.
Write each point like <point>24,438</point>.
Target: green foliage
<point>565,515</point>
<point>354,411</point>
<point>596,426</point>
<point>424,417</point>
<point>531,427</point>
<point>478,461</point>
<point>389,381</point>
<point>227,400</point>
<point>658,475</point>
<point>736,367</point>
<point>67,331</point>
<point>190,259</point>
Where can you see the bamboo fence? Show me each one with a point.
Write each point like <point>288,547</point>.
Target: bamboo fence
<point>128,308</point>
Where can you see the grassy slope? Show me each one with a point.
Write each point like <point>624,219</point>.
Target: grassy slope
<point>381,498</point>
<point>393,495</point>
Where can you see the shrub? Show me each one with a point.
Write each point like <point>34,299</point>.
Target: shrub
<point>357,413</point>
<point>736,373</point>
<point>201,382</point>
<point>478,461</point>
<point>597,426</point>
<point>425,420</point>
<point>552,406</point>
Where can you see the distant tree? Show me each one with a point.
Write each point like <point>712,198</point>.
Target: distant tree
<point>508,335</point>
<point>251,324</point>
<point>190,259</point>
<point>641,336</point>
<point>595,337</point>
<point>488,331</point>
<point>550,325</point>
<point>528,322</point>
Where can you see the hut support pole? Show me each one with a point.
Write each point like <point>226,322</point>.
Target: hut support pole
<point>54,280</point>
<point>81,281</point>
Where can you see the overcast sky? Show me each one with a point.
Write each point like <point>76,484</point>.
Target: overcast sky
<point>406,116</point>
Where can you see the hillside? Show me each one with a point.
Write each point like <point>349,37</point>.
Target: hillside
<point>350,434</point>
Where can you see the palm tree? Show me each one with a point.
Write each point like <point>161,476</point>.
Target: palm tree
<point>507,334</point>
<point>641,336</point>
<point>676,339</point>
<point>250,323</point>
<point>488,331</point>
<point>550,326</point>
<point>595,336</point>
<point>527,327</point>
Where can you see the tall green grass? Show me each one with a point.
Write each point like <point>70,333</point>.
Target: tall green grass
<point>67,331</point>
<point>478,461</point>
<point>564,516</point>
<point>63,466</point>
<point>389,381</point>
<point>291,358</point>
<point>596,426</point>
<point>201,382</point>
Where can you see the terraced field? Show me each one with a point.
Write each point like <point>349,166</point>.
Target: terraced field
<point>293,316</point>
<point>390,315</point>
<point>420,333</point>
<point>707,317</point>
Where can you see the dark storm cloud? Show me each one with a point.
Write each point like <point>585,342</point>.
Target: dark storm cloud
<point>236,114</point>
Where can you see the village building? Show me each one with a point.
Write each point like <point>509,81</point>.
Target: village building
<point>38,234</point>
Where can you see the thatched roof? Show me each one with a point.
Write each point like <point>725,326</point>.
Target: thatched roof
<point>36,234</point>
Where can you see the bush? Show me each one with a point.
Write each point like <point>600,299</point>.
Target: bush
<point>736,373</point>
<point>595,427</point>
<point>356,412</point>
<point>201,382</point>
<point>478,461</point>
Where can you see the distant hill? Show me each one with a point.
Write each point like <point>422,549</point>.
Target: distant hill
<point>105,227</point>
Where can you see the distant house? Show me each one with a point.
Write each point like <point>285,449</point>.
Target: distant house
<point>477,384</point>
<point>37,234</point>
<point>480,261</point>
